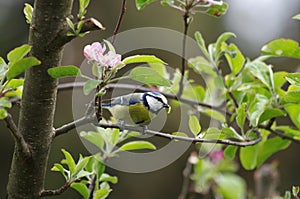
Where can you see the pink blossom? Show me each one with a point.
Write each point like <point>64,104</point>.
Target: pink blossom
<point>216,156</point>
<point>96,52</point>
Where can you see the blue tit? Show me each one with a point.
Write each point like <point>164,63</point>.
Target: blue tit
<point>137,109</point>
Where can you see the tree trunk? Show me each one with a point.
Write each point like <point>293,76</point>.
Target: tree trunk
<point>26,178</point>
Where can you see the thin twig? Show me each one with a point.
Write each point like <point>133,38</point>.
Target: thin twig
<point>67,127</point>
<point>55,192</point>
<point>116,31</point>
<point>183,61</point>
<point>181,138</point>
<point>92,186</point>
<point>19,139</point>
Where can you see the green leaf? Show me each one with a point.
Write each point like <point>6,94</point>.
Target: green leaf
<point>296,17</point>
<point>90,85</point>
<point>293,78</point>
<point>14,83</point>
<point>60,168</point>
<point>17,67</point>
<point>3,113</point>
<point>217,10</point>
<point>234,58</point>
<point>215,115</point>
<point>81,188</point>
<point>3,67</point>
<point>135,145</point>
<point>241,115</point>
<point>230,152</point>
<point>69,161</point>
<point>101,194</point>
<point>262,71</point>
<point>181,134</point>
<point>107,178</point>
<point>231,133</point>
<point>93,137</point>
<point>140,4</point>
<point>270,113</point>
<point>18,53</point>
<point>248,156</point>
<point>295,190</point>
<point>231,186</point>
<point>70,24</point>
<point>269,147</point>
<point>148,76</point>
<point>287,195</point>
<point>294,113</point>
<point>200,65</point>
<point>194,125</point>
<point>256,108</point>
<point>110,46</point>
<point>282,47</point>
<point>4,102</point>
<point>222,38</point>
<point>81,164</point>
<point>63,71</point>
<point>28,9</point>
<point>142,59</point>
<point>292,97</point>
<point>279,78</point>
<point>201,43</point>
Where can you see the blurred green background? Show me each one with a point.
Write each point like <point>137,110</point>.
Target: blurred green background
<point>255,22</point>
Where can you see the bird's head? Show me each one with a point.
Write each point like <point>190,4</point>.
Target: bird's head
<point>155,101</point>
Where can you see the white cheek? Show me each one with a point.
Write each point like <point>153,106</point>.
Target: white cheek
<point>154,104</point>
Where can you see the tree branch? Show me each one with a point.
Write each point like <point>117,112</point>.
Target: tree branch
<point>123,10</point>
<point>18,137</point>
<point>181,138</point>
<point>55,192</point>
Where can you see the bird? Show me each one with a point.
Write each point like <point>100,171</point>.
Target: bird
<point>137,109</point>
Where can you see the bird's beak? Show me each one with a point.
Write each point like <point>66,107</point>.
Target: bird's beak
<point>167,107</point>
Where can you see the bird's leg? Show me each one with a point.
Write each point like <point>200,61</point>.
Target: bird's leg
<point>122,125</point>
<point>145,128</point>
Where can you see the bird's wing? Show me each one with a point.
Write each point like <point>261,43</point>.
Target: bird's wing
<point>124,100</point>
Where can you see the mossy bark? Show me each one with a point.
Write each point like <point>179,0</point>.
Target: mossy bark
<point>26,178</point>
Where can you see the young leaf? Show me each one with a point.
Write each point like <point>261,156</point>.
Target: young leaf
<point>110,46</point>
<point>81,188</point>
<point>262,72</point>
<point>28,9</point>
<point>235,62</point>
<point>140,4</point>
<point>294,113</point>
<point>222,38</point>
<point>256,108</point>
<point>230,152</point>
<point>282,47</point>
<point>148,76</point>
<point>215,115</point>
<point>269,147</point>
<point>107,178</point>
<point>295,190</point>
<point>63,71</point>
<point>142,59</point>
<point>18,53</point>
<point>70,24</point>
<point>270,113</point>
<point>60,168</point>
<point>14,83</point>
<point>248,156</point>
<point>5,103</point>
<point>200,65</point>
<point>81,164</point>
<point>3,113</point>
<point>231,186</point>
<point>293,78</point>
<point>231,133</point>
<point>69,161</point>
<point>194,125</point>
<point>94,138</point>
<point>135,145</point>
<point>217,10</point>
<point>241,115</point>
<point>101,194</point>
<point>201,43</point>
<point>297,17</point>
<point>90,85</point>
<point>17,67</point>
